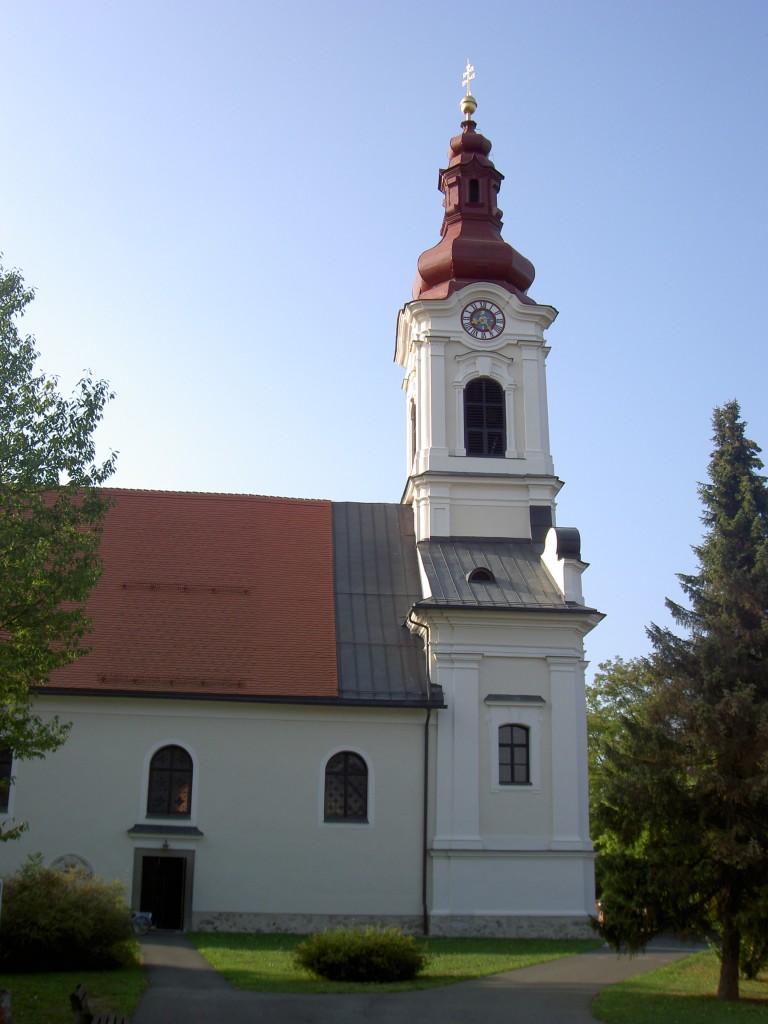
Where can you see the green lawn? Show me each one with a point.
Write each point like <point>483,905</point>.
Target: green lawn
<point>683,993</point>
<point>44,998</point>
<point>264,963</point>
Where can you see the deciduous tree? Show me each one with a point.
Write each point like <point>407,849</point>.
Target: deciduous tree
<point>683,807</point>
<point>51,510</point>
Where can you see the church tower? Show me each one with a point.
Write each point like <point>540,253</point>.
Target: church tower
<point>472,345</point>
<point>502,614</point>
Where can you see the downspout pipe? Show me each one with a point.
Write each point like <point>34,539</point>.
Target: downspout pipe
<point>425,923</point>
<point>425,832</point>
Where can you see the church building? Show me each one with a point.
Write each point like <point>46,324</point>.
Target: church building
<point>301,713</point>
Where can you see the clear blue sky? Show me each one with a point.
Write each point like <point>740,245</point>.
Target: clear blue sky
<point>221,205</point>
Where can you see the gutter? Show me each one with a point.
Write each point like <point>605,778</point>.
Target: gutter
<point>425,923</point>
<point>424,833</point>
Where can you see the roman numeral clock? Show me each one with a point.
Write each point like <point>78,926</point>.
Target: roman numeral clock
<point>482,320</point>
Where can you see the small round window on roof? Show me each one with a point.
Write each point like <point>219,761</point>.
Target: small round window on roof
<point>481,575</point>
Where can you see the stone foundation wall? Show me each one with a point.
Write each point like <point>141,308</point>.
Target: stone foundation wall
<point>298,924</point>
<point>523,927</point>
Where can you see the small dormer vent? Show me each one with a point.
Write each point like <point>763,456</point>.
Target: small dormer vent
<point>481,575</point>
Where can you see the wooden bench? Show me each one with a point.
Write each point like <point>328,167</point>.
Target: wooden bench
<point>84,1015</point>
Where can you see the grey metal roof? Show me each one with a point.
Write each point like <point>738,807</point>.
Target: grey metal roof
<point>376,582</point>
<point>520,579</point>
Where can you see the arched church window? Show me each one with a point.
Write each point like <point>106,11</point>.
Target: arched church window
<point>170,783</point>
<point>485,429</point>
<point>346,788</point>
<point>514,755</point>
<point>6,765</point>
<point>413,431</point>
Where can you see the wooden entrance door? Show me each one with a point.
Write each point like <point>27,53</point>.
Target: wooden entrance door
<point>163,885</point>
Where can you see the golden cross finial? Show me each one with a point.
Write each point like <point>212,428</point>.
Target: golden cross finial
<point>468,103</point>
<point>468,75</point>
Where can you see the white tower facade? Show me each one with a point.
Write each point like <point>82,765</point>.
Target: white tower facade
<point>455,489</point>
<point>502,614</point>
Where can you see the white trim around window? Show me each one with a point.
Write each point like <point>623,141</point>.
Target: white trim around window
<point>514,710</point>
<point>171,819</point>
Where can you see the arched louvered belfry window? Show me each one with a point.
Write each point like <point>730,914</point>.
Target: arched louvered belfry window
<point>170,784</point>
<point>514,755</point>
<point>346,788</point>
<point>485,429</point>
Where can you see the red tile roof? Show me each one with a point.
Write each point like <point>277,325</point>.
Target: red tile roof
<point>212,594</point>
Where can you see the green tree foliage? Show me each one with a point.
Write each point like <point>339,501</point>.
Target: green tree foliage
<point>682,778</point>
<point>617,692</point>
<point>51,512</point>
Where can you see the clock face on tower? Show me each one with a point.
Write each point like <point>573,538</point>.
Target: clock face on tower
<point>482,320</point>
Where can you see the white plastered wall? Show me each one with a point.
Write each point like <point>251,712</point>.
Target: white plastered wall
<point>510,852</point>
<point>257,799</point>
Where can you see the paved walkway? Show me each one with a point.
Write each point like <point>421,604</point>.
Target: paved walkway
<point>184,987</point>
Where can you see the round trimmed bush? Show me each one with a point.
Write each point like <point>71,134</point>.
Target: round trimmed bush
<point>56,920</point>
<point>361,954</point>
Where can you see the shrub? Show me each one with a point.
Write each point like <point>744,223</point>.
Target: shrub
<point>753,957</point>
<point>361,954</point>
<point>56,920</point>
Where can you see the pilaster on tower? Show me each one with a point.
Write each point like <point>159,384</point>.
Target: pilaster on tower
<point>472,345</point>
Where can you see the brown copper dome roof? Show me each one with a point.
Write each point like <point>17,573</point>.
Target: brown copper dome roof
<point>471,247</point>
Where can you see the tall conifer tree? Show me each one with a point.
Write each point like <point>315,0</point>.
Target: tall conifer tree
<point>686,802</point>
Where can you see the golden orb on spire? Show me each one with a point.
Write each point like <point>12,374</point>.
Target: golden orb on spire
<point>468,106</point>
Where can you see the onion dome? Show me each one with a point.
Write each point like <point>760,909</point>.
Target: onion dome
<point>471,248</point>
